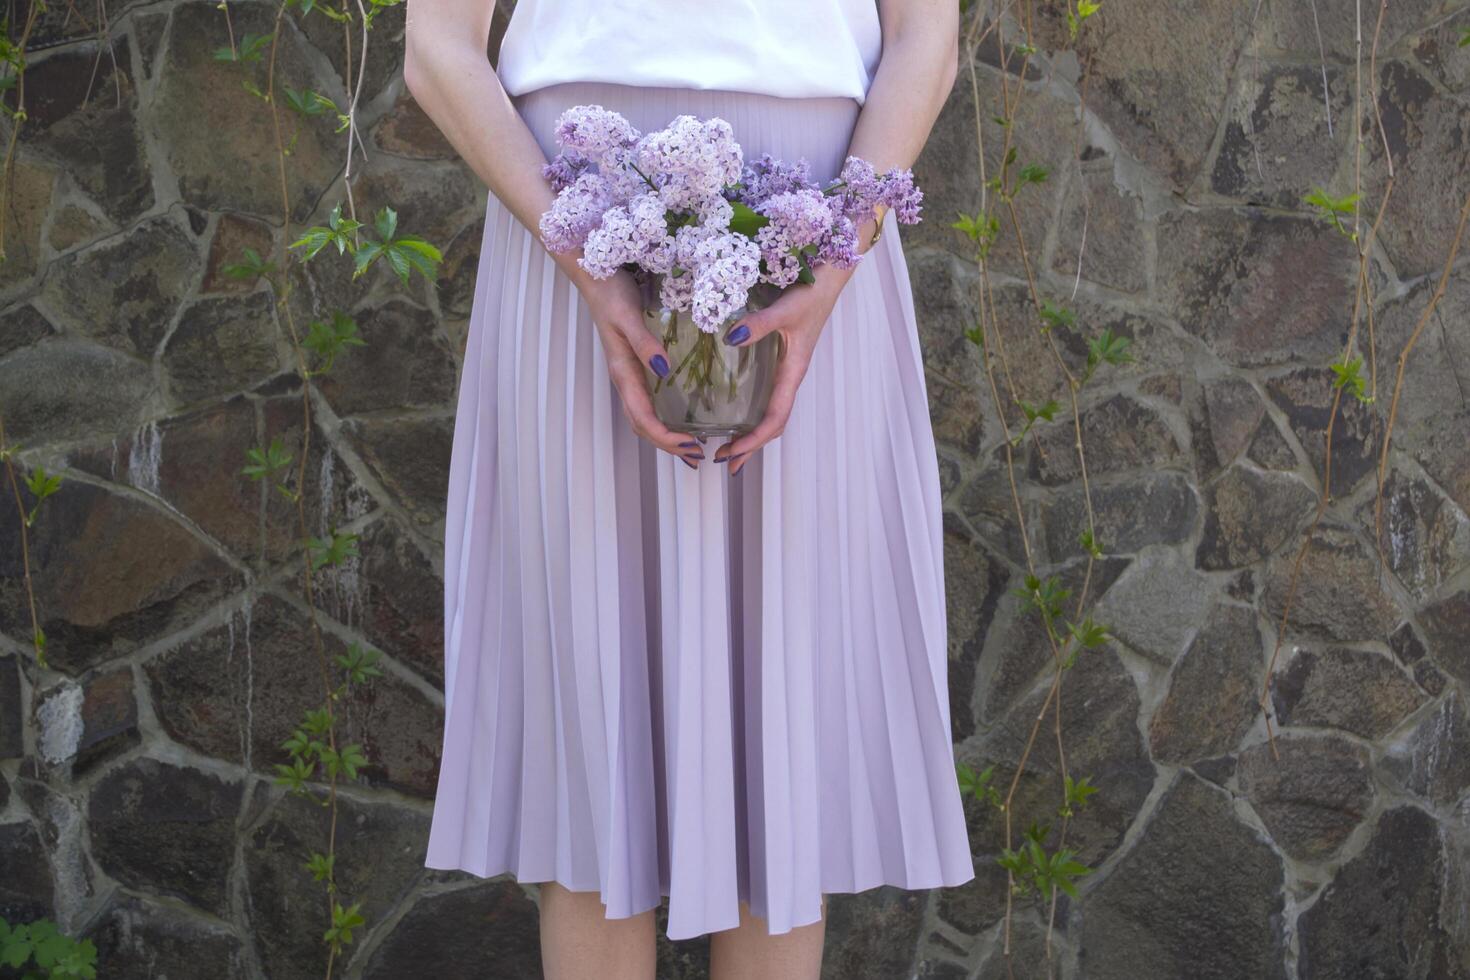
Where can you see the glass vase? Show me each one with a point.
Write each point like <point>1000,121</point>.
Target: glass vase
<point>712,388</point>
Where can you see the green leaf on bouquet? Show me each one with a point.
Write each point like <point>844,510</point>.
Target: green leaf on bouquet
<point>746,220</point>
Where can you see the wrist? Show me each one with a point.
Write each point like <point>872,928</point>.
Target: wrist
<point>871,231</point>
<point>570,265</point>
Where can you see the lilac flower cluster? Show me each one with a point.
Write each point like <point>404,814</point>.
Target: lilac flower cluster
<point>666,203</point>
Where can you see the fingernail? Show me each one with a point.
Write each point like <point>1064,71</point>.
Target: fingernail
<point>720,459</point>
<point>694,455</point>
<point>730,459</point>
<point>692,466</point>
<point>660,365</point>
<point>689,445</point>
<point>738,335</point>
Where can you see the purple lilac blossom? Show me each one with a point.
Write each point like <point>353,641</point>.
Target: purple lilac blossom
<point>616,166</point>
<point>564,169</point>
<point>576,211</point>
<point>610,245</point>
<point>654,244</point>
<point>766,177</point>
<point>677,292</point>
<point>715,212</point>
<point>782,266</point>
<point>839,247</point>
<point>727,265</point>
<point>796,219</point>
<point>863,189</point>
<point>696,159</point>
<point>615,189</point>
<point>592,131</point>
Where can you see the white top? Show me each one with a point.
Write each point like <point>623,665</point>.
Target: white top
<point>790,48</point>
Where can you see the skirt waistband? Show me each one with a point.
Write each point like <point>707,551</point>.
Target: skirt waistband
<point>817,129</point>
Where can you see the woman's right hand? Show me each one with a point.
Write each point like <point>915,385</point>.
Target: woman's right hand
<point>616,305</point>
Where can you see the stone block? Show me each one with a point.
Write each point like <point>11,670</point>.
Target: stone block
<point>1199,895</point>
<point>111,574</point>
<point>1357,691</point>
<point>166,829</point>
<point>124,291</point>
<point>1214,690</point>
<point>1311,795</point>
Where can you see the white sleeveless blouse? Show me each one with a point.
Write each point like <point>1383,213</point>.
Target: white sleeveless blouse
<point>790,48</point>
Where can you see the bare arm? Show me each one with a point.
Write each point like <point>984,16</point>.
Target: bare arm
<point>445,67</point>
<point>914,77</point>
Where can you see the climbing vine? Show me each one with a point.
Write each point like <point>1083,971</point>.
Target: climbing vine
<point>315,753</point>
<point>1040,863</point>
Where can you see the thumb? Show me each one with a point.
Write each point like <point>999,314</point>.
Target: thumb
<point>753,326</point>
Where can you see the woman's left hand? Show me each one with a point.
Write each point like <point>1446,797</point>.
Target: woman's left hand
<point>798,315</point>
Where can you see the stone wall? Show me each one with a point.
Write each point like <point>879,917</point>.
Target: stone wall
<point>136,806</point>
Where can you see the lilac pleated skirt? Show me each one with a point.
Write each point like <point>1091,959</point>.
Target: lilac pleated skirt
<point>661,681</point>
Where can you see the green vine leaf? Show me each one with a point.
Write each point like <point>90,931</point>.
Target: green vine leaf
<point>1077,793</point>
<point>1348,375</point>
<point>250,48</point>
<point>332,552</point>
<point>1056,316</point>
<point>1106,348</point>
<point>343,922</point>
<point>327,340</point>
<point>338,231</point>
<point>309,103</point>
<point>1334,208</point>
<point>1047,411</point>
<point>252,268</point>
<point>1034,414</point>
<point>359,663</point>
<point>265,463</point>
<point>403,253</point>
<point>1031,867</point>
<point>1032,173</point>
<point>982,229</point>
<point>321,865</point>
<point>980,786</point>
<point>41,485</point>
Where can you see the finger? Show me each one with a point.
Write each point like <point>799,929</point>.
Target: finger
<point>628,378</point>
<point>739,451</point>
<point>638,407</point>
<point>754,326</point>
<point>649,349</point>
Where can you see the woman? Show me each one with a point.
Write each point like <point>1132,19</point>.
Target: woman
<point>664,676</point>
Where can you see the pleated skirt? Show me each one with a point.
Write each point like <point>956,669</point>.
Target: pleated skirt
<point>668,682</point>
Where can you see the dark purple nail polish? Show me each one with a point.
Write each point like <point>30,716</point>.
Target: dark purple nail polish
<point>689,445</point>
<point>692,466</point>
<point>693,455</point>
<point>738,335</point>
<point>660,365</point>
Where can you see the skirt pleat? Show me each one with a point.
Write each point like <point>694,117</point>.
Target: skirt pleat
<point>665,682</point>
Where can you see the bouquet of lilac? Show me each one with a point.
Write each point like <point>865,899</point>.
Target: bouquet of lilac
<point>710,235</point>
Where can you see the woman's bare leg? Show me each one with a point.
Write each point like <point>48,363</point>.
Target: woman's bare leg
<point>748,952</point>
<point>579,941</point>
